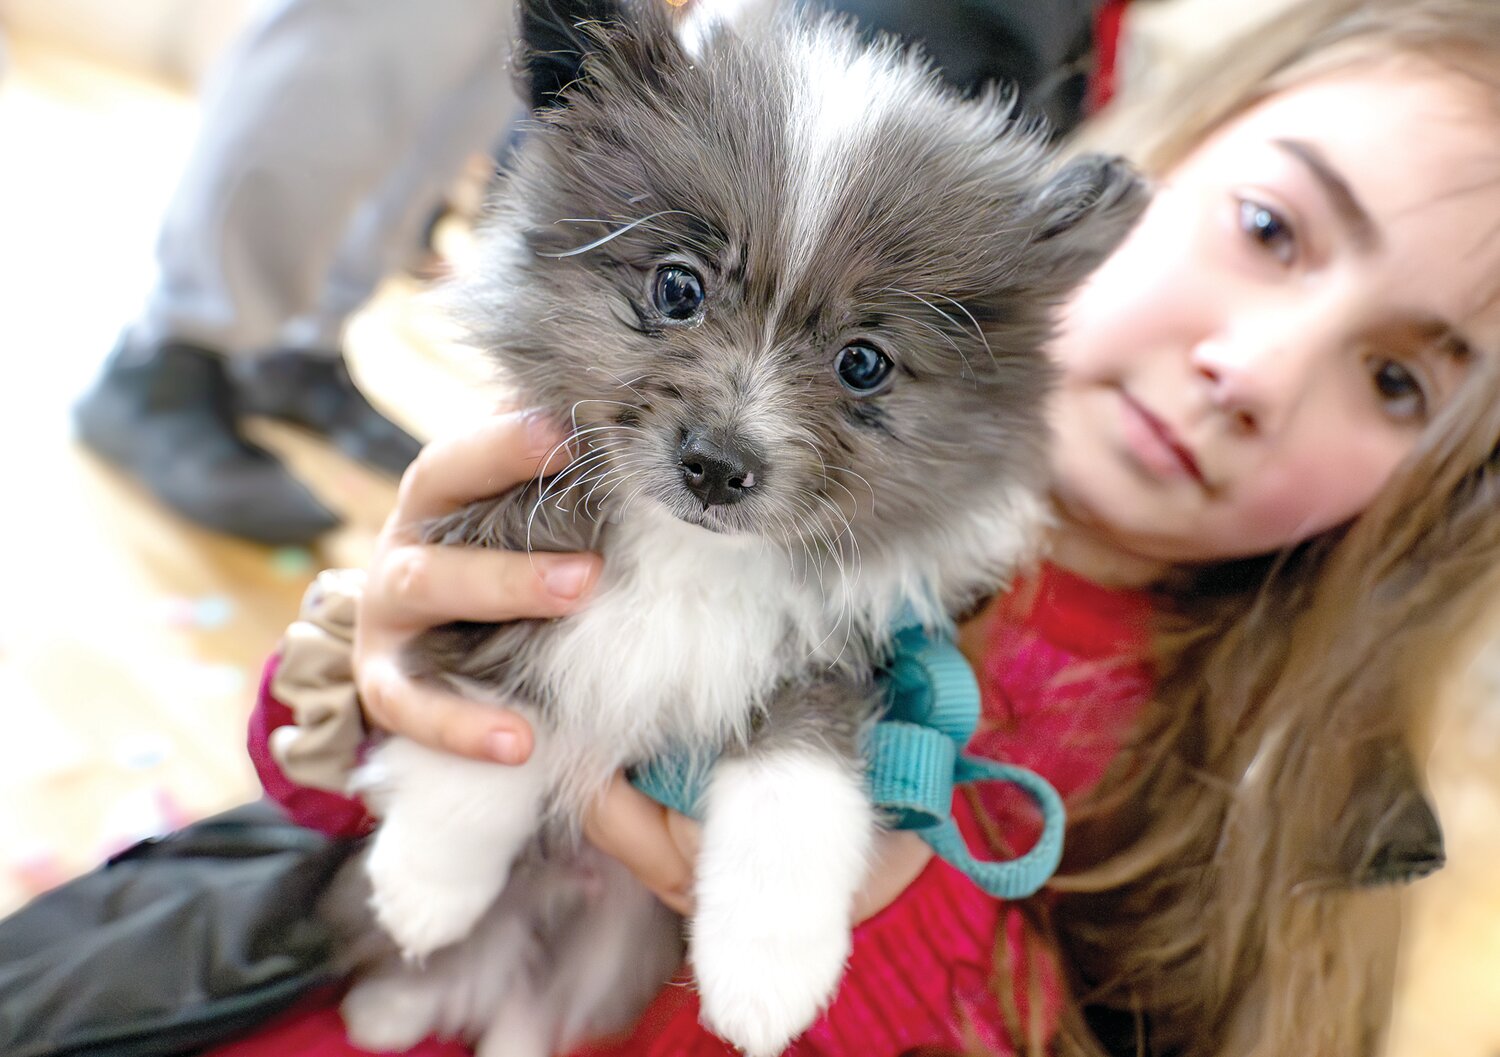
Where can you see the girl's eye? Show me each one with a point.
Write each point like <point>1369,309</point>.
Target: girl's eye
<point>1270,229</point>
<point>677,293</point>
<point>863,369</point>
<point>1398,389</point>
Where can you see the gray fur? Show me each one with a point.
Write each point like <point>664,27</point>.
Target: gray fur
<point>945,234</point>
<point>952,241</point>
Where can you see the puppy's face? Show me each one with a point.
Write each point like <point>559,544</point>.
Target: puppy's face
<point>783,282</point>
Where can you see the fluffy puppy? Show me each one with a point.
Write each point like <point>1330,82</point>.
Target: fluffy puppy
<point>792,294</point>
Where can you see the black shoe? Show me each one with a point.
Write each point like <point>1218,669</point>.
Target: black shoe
<point>314,390</point>
<point>166,416</point>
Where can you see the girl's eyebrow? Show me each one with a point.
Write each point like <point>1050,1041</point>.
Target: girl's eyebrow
<point>1447,337</point>
<point>1346,204</point>
<point>1434,336</point>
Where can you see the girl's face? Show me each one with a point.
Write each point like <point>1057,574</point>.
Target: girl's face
<point>1303,293</point>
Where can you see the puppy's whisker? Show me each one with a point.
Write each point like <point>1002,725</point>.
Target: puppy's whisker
<point>628,476</point>
<point>848,580</point>
<point>845,532</point>
<point>690,241</point>
<point>552,488</point>
<point>796,531</point>
<point>814,448</point>
<point>567,442</point>
<point>828,547</point>
<point>784,542</point>
<point>861,480</point>
<point>940,332</point>
<point>950,319</point>
<point>584,469</point>
<point>600,400</point>
<point>978,330</point>
<point>607,238</point>
<point>578,432</point>
<point>620,381</point>
<point>626,471</point>
<point>560,480</point>
<point>847,491</point>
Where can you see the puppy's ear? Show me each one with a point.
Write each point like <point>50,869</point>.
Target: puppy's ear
<point>642,41</point>
<point>556,37</point>
<point>1085,211</point>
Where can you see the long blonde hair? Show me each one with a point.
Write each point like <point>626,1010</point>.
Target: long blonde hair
<point>1206,887</point>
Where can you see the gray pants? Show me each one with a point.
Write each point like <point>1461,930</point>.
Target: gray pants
<point>329,134</point>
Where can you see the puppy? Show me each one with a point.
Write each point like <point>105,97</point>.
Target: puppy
<point>792,295</point>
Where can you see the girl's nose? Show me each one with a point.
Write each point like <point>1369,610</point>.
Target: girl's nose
<point>1254,377</point>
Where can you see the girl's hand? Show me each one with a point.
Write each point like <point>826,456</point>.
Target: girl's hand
<point>660,846</point>
<point>413,586</point>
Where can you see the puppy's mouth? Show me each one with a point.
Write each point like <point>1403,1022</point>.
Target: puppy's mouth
<point>715,519</point>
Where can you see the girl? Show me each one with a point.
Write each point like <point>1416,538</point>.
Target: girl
<point>1275,493</point>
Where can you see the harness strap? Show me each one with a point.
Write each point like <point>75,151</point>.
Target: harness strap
<point>915,760</point>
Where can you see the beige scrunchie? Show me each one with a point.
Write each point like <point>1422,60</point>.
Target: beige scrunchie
<point>316,681</point>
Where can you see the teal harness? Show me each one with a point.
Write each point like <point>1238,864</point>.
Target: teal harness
<point>915,760</point>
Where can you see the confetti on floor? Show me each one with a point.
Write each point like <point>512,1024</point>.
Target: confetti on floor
<point>212,612</point>
<point>142,751</point>
<point>176,611</point>
<point>208,613</point>
<point>292,563</point>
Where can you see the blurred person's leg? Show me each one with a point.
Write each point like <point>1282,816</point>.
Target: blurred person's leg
<point>305,380</point>
<point>312,111</point>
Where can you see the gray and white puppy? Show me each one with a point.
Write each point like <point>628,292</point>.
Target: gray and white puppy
<point>793,294</point>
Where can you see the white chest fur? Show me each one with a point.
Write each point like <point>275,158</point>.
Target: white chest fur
<point>687,633</point>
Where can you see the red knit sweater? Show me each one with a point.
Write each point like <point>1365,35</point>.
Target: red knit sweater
<point>1062,678</point>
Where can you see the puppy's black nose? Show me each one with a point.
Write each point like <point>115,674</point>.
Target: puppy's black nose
<point>716,470</point>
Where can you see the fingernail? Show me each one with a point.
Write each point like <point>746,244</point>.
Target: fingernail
<point>566,579</point>
<point>504,746</point>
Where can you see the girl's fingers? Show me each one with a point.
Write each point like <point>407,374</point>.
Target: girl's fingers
<point>628,825</point>
<point>660,846</point>
<point>439,719</point>
<point>418,586</point>
<point>483,461</point>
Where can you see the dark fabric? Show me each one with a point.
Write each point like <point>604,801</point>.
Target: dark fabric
<point>1042,47</point>
<point>174,944</point>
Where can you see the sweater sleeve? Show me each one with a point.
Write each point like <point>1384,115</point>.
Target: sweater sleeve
<point>330,812</point>
<point>307,731</point>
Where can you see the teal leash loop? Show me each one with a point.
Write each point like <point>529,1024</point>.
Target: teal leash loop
<point>915,760</point>
<point>933,708</point>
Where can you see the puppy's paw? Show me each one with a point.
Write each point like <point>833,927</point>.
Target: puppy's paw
<point>388,1014</point>
<point>785,842</point>
<point>424,913</point>
<point>760,991</point>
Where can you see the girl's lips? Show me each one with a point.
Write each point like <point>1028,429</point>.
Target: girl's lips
<point>1156,445</point>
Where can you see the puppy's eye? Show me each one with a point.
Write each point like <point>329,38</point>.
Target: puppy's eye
<point>677,293</point>
<point>863,369</point>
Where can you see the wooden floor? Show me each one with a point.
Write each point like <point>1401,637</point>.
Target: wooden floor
<point>130,642</point>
